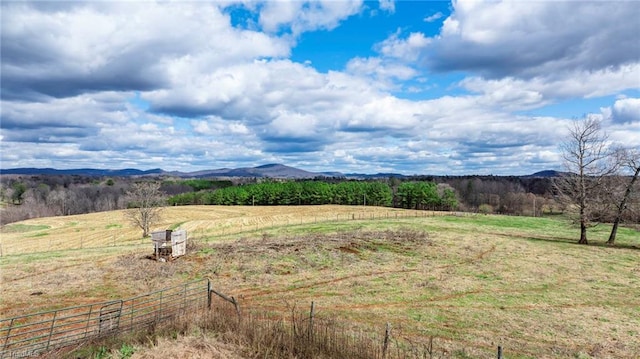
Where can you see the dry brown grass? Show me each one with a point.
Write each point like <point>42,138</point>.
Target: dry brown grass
<point>190,346</point>
<point>470,283</point>
<point>113,229</point>
<point>63,261</point>
<point>221,333</point>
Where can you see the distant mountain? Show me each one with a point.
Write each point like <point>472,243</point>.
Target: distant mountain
<point>81,171</point>
<point>264,171</point>
<point>373,176</point>
<point>546,174</point>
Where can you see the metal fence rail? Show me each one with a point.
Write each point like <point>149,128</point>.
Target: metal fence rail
<point>36,334</point>
<point>32,334</point>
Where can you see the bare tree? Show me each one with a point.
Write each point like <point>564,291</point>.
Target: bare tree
<point>145,205</point>
<point>630,160</point>
<point>588,161</point>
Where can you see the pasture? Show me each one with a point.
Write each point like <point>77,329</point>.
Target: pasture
<point>469,282</point>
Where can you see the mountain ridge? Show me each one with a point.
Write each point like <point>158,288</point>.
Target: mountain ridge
<point>271,170</point>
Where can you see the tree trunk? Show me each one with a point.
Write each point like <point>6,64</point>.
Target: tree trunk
<point>583,233</point>
<point>583,216</point>
<point>621,208</point>
<point>614,231</point>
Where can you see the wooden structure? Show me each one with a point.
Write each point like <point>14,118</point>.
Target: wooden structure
<point>168,244</point>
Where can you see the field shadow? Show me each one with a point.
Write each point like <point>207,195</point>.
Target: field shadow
<point>572,241</point>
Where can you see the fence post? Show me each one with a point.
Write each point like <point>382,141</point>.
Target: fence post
<point>311,314</point>
<point>184,298</point>
<point>133,304</point>
<point>231,300</point>
<point>235,304</point>
<point>159,316</point>
<point>208,294</point>
<point>385,344</point>
<point>86,329</point>
<point>6,339</point>
<point>53,322</point>
<point>499,352</point>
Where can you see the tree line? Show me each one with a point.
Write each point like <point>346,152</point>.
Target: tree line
<point>413,194</point>
<point>34,196</point>
<point>57,195</point>
<point>47,196</point>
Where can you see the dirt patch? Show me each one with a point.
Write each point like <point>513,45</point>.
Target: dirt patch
<point>351,242</point>
<point>350,248</point>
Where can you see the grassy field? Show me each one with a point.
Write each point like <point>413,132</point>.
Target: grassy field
<point>112,229</point>
<point>469,282</point>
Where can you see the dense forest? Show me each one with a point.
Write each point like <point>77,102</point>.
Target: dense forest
<point>412,194</point>
<point>34,196</point>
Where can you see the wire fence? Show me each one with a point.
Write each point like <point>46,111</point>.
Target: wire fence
<point>306,334</point>
<point>33,334</point>
<point>115,237</point>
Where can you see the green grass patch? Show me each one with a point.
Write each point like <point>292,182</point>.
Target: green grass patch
<point>22,228</point>
<point>176,225</point>
<point>33,257</point>
<point>40,234</point>
<point>497,222</point>
<point>206,251</point>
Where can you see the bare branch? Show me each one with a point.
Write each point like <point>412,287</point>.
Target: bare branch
<point>588,161</point>
<point>145,205</point>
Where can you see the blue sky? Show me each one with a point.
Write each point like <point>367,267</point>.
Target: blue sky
<point>415,87</point>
